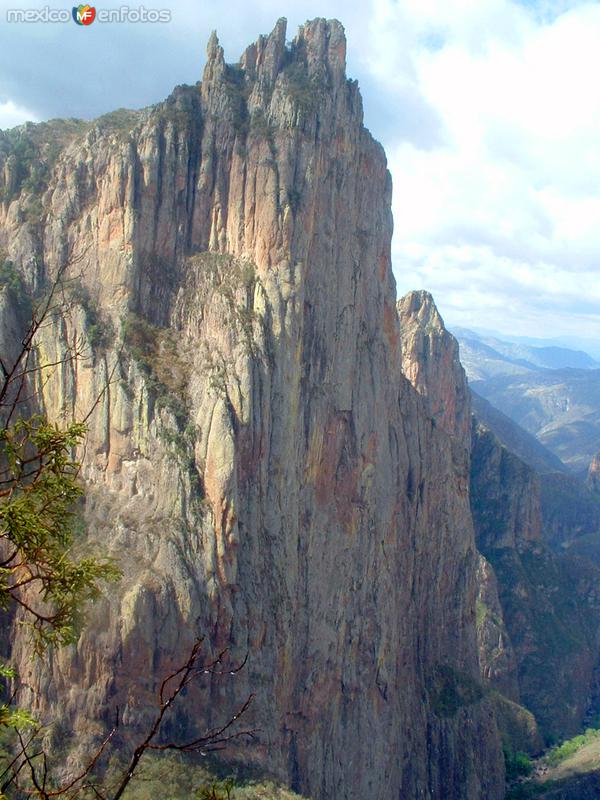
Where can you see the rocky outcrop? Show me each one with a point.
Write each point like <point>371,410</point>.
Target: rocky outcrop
<point>505,495</point>
<point>497,660</point>
<point>256,461</point>
<point>430,361</point>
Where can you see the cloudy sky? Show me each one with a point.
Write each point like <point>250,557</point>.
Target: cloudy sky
<point>489,111</point>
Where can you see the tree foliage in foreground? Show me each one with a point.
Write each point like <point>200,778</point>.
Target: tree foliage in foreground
<point>39,491</point>
<point>43,573</point>
<point>40,570</point>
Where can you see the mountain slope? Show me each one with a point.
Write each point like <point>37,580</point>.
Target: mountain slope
<point>548,600</point>
<point>570,509</point>
<point>551,392</point>
<point>560,407</point>
<point>516,438</point>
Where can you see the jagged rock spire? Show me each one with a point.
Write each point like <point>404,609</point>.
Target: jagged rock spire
<point>320,45</point>
<point>430,361</point>
<point>325,45</point>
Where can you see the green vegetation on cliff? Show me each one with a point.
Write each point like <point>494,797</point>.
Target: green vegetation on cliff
<point>100,331</point>
<point>564,751</point>
<point>450,690</point>
<point>12,281</point>
<point>568,771</point>
<point>176,777</point>
<point>156,354</point>
<point>29,154</point>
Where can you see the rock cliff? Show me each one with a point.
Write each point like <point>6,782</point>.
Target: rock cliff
<point>536,611</point>
<point>549,603</point>
<point>430,359</point>
<point>256,460</point>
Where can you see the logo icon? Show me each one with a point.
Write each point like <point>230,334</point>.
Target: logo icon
<point>84,15</point>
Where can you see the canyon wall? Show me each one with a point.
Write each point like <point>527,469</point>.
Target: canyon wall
<point>256,461</point>
<point>537,610</point>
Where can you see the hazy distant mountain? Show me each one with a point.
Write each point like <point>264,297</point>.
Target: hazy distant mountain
<point>589,346</point>
<point>560,407</point>
<point>484,356</point>
<point>552,392</point>
<point>517,439</point>
<point>482,361</point>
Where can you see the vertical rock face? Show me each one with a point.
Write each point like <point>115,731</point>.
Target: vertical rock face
<point>505,495</point>
<point>549,607</point>
<point>430,359</point>
<point>497,658</point>
<point>535,611</point>
<point>256,461</point>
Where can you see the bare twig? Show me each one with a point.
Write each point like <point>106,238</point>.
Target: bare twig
<point>83,775</point>
<point>170,688</point>
<point>209,741</point>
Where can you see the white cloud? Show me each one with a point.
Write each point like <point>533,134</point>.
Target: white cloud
<point>11,115</point>
<point>488,110</point>
<point>503,220</point>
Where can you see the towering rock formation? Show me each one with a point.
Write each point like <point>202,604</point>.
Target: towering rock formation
<point>430,359</point>
<point>256,460</point>
<point>536,613</point>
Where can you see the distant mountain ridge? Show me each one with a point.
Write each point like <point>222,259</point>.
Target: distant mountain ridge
<point>591,347</point>
<point>516,438</point>
<point>485,356</point>
<point>560,407</point>
<point>551,392</point>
